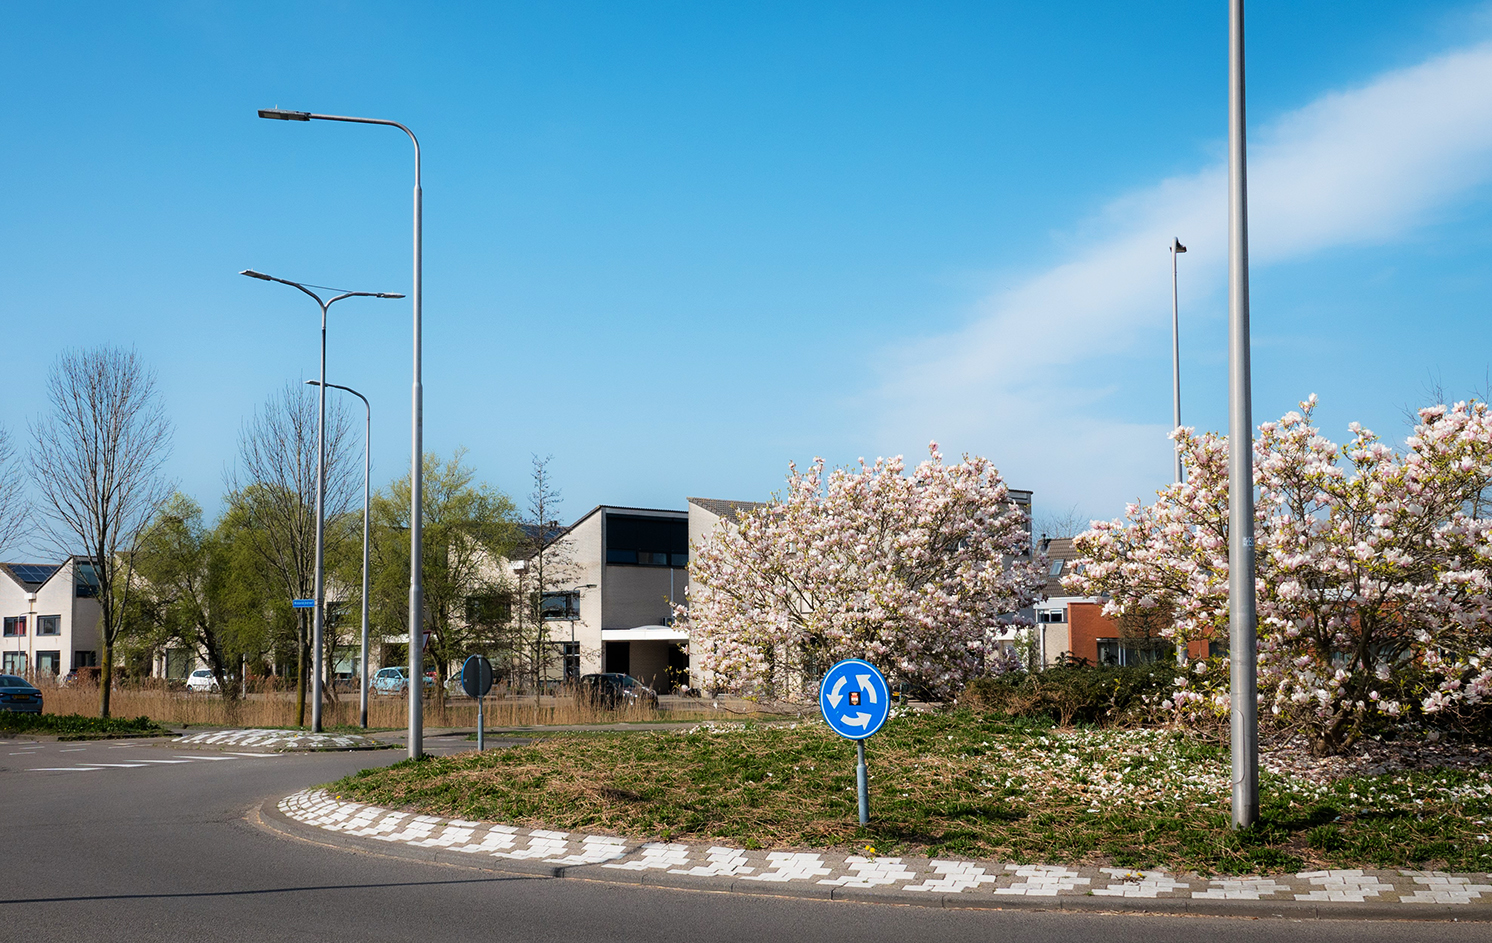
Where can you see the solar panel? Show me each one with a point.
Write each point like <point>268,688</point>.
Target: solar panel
<point>33,572</point>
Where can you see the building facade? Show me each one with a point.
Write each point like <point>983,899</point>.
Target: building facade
<point>50,616</point>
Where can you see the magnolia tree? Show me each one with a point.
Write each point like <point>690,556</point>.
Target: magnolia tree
<point>1373,574</point>
<point>910,572</point>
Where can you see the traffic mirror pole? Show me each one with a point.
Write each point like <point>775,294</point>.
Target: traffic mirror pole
<point>481,728</point>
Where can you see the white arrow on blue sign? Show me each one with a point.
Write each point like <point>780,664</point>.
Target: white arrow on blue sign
<point>854,699</point>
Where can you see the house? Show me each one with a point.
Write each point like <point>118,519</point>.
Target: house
<point>50,617</point>
<point>613,577</point>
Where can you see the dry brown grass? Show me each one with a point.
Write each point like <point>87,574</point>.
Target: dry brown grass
<point>278,708</point>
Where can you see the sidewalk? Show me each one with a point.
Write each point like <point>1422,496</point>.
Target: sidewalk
<point>1342,894</point>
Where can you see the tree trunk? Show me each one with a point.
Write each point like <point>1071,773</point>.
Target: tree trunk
<point>105,673</point>
<point>300,677</point>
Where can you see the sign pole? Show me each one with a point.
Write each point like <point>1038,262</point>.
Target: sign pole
<point>860,778</point>
<point>481,728</point>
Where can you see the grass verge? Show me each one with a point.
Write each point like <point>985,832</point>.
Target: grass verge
<point>78,727</point>
<point>957,785</point>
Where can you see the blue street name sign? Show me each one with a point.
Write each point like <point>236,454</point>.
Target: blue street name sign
<point>303,604</point>
<point>854,699</point>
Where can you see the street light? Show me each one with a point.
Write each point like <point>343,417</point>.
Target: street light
<point>416,462</point>
<point>1176,249</point>
<point>317,618</point>
<point>1242,615</point>
<point>367,445</point>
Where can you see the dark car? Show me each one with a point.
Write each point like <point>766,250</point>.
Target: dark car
<point>18,694</point>
<point>615,690</point>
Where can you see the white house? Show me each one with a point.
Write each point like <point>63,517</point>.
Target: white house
<point>50,617</point>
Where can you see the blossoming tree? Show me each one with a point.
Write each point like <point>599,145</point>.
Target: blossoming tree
<point>1374,570</point>
<point>911,572</point>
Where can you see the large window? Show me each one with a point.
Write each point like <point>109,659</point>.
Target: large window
<point>82,659</point>
<point>14,663</point>
<point>49,663</point>
<point>86,581</point>
<point>48,625</point>
<point>15,626</point>
<point>647,541</point>
<point>560,607</point>
<point>1112,651</point>
<point>489,609</point>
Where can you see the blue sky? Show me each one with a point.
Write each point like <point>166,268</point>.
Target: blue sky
<point>679,245</point>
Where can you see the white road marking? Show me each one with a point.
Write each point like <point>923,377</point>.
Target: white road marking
<point>25,753</point>
<point>73,750</point>
<point>64,769</point>
<point>120,765</point>
<point>209,757</point>
<point>230,753</point>
<point>165,761</point>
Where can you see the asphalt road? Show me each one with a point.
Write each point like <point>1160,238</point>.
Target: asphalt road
<point>106,841</point>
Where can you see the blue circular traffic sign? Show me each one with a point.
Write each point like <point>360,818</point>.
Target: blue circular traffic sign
<point>854,699</point>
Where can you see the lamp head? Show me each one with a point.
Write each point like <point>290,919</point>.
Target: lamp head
<point>1176,246</point>
<point>280,115</point>
<point>387,294</point>
<point>259,275</point>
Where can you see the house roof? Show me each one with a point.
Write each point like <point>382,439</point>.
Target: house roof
<point>727,509</point>
<point>1058,550</point>
<point>31,576</point>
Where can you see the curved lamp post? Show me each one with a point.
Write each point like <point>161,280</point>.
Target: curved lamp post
<point>318,618</point>
<point>367,444</point>
<point>416,462</point>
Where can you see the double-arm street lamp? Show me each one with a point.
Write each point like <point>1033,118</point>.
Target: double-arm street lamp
<point>416,465</point>
<point>367,444</point>
<point>318,617</point>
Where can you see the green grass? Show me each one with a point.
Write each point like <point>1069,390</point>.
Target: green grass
<point>78,727</point>
<point>953,784</point>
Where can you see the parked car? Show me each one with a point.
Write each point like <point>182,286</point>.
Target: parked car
<point>394,682</point>
<point>615,690</point>
<point>202,681</point>
<point>19,695</point>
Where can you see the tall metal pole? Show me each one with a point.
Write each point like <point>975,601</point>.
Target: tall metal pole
<point>1176,249</point>
<point>317,621</point>
<point>1242,618</point>
<point>367,469</point>
<point>416,497</point>
<point>416,467</point>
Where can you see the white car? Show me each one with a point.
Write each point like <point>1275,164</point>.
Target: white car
<point>202,680</point>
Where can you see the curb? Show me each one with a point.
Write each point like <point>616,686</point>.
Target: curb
<point>315,816</point>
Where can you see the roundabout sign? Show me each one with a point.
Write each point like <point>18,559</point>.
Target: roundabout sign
<point>854,699</point>
<point>855,702</point>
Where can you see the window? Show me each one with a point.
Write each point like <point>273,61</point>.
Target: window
<point>85,659</point>
<point>647,541</point>
<point>1055,570</point>
<point>48,625</point>
<point>14,663</point>
<point>489,609</point>
<point>49,663</point>
<point>85,581</point>
<point>560,607</point>
<point>178,663</point>
<point>1051,615</point>
<point>568,654</point>
<point>15,626</point>
<point>1112,651</point>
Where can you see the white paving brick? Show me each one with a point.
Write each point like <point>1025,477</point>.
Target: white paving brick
<point>871,872</point>
<point>1242,889</point>
<point>1351,885</point>
<point>656,856</point>
<point>957,877</point>
<point>1041,880</point>
<point>791,866</point>
<point>723,862</point>
<point>1143,884</point>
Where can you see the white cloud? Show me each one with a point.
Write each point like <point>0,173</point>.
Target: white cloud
<point>1021,380</point>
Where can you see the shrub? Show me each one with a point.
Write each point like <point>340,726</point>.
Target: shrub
<point>1071,694</point>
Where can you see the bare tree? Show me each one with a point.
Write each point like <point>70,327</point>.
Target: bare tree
<point>14,511</point>
<point>548,566</point>
<point>97,465</point>
<point>274,493</point>
<point>1055,524</point>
